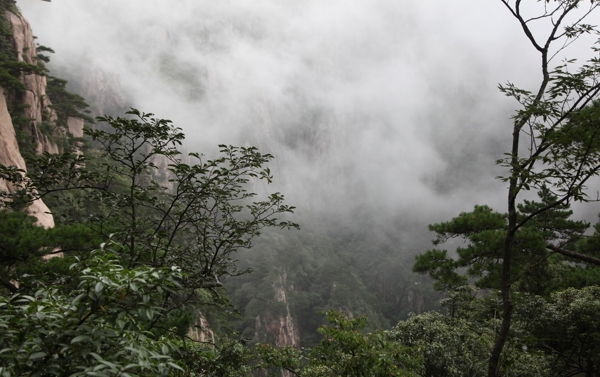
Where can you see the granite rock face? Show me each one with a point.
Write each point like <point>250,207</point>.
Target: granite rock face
<point>10,155</point>
<point>37,105</point>
<point>280,326</point>
<point>37,108</point>
<point>75,126</point>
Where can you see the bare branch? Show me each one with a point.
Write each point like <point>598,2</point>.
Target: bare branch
<point>574,255</point>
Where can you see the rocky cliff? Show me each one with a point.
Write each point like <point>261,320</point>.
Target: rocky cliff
<point>101,88</point>
<point>36,104</point>
<point>276,324</point>
<point>11,156</point>
<point>33,108</point>
<point>200,331</point>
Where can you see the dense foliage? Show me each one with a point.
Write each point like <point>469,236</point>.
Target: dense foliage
<point>171,240</point>
<point>100,327</point>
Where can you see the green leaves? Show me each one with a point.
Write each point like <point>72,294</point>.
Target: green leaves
<point>457,341</point>
<point>562,125</point>
<point>483,218</point>
<point>347,351</point>
<point>98,329</point>
<point>483,228</point>
<point>483,232</point>
<point>441,268</point>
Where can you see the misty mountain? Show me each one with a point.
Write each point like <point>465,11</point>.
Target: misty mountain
<point>382,118</point>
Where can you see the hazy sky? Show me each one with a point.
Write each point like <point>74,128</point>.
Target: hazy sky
<point>390,103</point>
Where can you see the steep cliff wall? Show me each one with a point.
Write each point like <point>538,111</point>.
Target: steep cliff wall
<point>11,156</point>
<point>9,148</point>
<point>200,331</point>
<point>33,109</point>
<point>276,324</point>
<point>102,89</point>
<point>36,104</point>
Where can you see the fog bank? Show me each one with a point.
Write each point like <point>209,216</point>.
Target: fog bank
<point>388,105</point>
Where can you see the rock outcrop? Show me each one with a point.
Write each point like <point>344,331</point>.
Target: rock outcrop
<point>10,155</point>
<point>37,105</point>
<point>37,109</point>
<point>101,89</point>
<point>75,126</point>
<point>201,332</point>
<point>279,326</point>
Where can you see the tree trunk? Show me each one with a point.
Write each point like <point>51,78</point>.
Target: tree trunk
<point>507,305</point>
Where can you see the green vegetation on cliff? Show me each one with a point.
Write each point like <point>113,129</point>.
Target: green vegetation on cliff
<point>12,80</point>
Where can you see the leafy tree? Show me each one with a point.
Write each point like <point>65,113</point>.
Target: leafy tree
<point>164,211</point>
<point>346,351</point>
<point>536,265</point>
<point>559,121</point>
<point>64,102</point>
<point>457,341</point>
<point>20,243</point>
<point>569,331</point>
<point>562,130</point>
<point>23,244</point>
<point>173,227</point>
